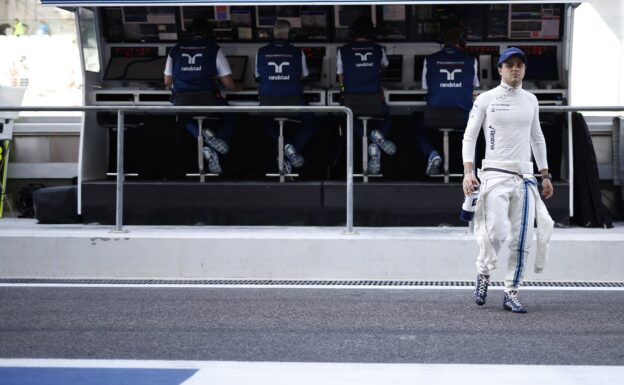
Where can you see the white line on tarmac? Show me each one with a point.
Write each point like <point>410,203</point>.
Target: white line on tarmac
<point>313,373</point>
<point>325,287</point>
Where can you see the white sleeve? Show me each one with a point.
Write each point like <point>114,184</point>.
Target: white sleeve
<point>257,73</point>
<point>384,59</point>
<point>223,66</point>
<point>304,66</point>
<point>169,66</point>
<point>475,121</point>
<point>424,75</point>
<point>338,63</point>
<point>475,81</point>
<point>538,142</point>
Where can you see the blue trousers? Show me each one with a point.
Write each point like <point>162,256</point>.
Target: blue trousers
<point>381,125</point>
<point>223,128</point>
<point>423,141</point>
<point>303,134</point>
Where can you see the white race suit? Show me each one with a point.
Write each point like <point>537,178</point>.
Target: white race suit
<point>509,198</point>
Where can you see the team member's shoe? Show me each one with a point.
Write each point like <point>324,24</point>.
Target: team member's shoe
<point>510,302</point>
<point>290,152</point>
<point>386,145</point>
<point>287,168</point>
<point>374,159</point>
<point>213,160</point>
<point>434,164</point>
<point>215,143</point>
<point>481,287</point>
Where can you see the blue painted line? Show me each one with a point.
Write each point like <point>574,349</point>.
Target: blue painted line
<point>93,376</point>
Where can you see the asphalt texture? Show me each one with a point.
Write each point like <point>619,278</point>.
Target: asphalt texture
<point>311,325</point>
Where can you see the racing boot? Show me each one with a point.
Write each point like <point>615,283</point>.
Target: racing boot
<point>510,302</point>
<point>481,287</point>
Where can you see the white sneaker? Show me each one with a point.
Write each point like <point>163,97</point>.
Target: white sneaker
<point>213,160</point>
<point>217,144</point>
<point>374,159</point>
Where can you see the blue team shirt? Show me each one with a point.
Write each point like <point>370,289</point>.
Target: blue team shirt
<point>194,65</point>
<point>361,66</point>
<point>280,69</point>
<point>449,77</point>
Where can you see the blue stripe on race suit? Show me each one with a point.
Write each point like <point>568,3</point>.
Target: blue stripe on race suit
<point>523,231</point>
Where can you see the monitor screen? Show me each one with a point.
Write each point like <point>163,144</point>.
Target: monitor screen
<point>541,63</point>
<point>419,62</point>
<point>238,65</point>
<point>144,24</point>
<point>265,16</point>
<point>346,15</point>
<point>135,69</point>
<point>313,16</point>
<point>394,71</point>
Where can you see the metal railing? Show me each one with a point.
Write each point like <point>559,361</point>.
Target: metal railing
<point>121,110</point>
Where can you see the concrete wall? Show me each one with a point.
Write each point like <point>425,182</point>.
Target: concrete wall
<point>78,251</point>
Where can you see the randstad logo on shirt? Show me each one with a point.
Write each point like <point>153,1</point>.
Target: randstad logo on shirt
<point>364,59</point>
<point>450,76</point>
<point>278,68</point>
<point>191,61</point>
<point>451,85</point>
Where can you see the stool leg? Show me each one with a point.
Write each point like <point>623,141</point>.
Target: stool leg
<point>446,156</point>
<point>280,151</point>
<point>200,149</point>
<point>364,151</point>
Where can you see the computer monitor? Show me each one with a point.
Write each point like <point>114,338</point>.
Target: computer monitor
<point>136,69</point>
<point>419,64</point>
<point>541,63</point>
<point>238,64</point>
<point>266,15</point>
<point>346,15</point>
<point>394,71</point>
<point>149,23</point>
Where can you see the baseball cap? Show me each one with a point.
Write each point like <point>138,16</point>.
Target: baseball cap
<point>512,51</point>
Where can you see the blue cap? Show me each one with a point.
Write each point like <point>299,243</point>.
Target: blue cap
<point>512,51</point>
